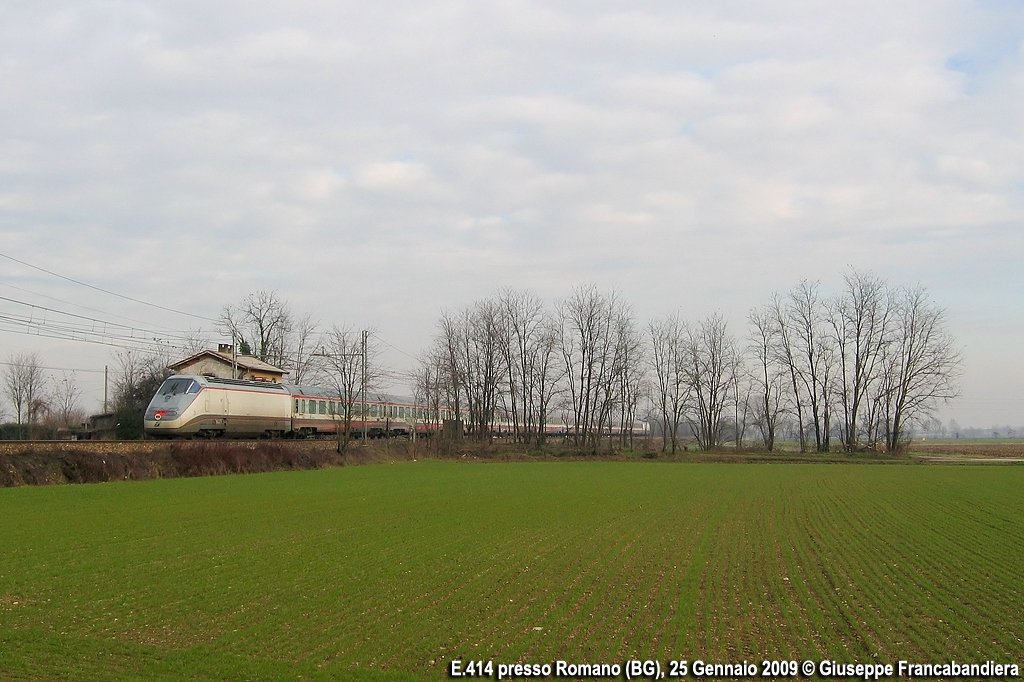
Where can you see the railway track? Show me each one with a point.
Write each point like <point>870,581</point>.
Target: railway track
<point>129,447</point>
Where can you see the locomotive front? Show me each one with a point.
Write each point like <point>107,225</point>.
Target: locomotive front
<point>168,410</point>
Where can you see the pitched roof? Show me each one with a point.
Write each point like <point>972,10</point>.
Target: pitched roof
<point>244,361</point>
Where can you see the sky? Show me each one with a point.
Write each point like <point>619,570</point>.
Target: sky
<point>376,163</point>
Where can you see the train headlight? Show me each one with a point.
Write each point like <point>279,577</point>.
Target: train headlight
<point>159,414</point>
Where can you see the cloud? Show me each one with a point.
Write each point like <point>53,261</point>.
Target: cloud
<point>421,156</point>
<point>392,175</point>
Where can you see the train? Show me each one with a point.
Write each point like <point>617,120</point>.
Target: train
<point>189,405</point>
<point>204,406</point>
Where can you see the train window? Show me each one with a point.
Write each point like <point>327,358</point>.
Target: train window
<point>303,405</point>
<point>175,386</point>
<point>330,408</point>
<point>323,407</point>
<point>296,404</point>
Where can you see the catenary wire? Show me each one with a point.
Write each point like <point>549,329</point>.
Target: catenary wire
<point>105,323</point>
<point>83,307</point>
<point>105,291</point>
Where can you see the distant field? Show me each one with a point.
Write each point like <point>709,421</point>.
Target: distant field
<point>975,448</point>
<point>391,571</point>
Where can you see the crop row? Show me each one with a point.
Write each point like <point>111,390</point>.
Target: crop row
<point>405,567</point>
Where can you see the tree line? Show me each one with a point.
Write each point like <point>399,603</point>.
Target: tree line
<point>849,370</point>
<point>42,402</point>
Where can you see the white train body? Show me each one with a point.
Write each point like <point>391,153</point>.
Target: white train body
<point>189,405</point>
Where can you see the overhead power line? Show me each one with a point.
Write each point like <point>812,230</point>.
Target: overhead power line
<point>52,323</point>
<point>58,369</point>
<point>397,350</point>
<point>105,291</point>
<point>78,305</point>
<point>95,321</point>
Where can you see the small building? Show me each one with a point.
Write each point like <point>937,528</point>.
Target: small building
<point>225,364</point>
<point>96,427</point>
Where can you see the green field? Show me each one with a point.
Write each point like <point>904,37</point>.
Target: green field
<point>391,571</point>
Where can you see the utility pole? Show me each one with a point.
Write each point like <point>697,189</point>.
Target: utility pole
<point>104,389</point>
<point>322,352</point>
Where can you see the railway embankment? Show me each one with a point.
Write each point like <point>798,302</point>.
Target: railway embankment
<point>62,462</point>
<point>55,463</point>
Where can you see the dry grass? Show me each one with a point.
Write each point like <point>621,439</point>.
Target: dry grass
<point>969,449</point>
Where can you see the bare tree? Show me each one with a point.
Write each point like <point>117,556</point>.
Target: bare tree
<point>446,355</point>
<point>479,363</point>
<point>852,355</point>
<point>547,374</point>
<point>64,397</point>
<point>667,360</point>
<point>632,377</point>
<point>429,390</point>
<point>528,343</point>
<point>787,354</point>
<point>593,354</point>
<point>496,357</point>
<point>521,330</point>
<point>860,320</point>
<point>260,325</point>
<point>710,359</point>
<point>926,364</point>
<point>24,384</point>
<point>740,390</point>
<point>301,349</point>
<point>195,340</point>
<point>814,357</point>
<point>769,376</point>
<point>342,353</point>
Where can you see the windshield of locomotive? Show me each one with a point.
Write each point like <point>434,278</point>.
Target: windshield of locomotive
<point>178,387</point>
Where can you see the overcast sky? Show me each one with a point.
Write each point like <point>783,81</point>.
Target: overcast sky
<point>376,162</point>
